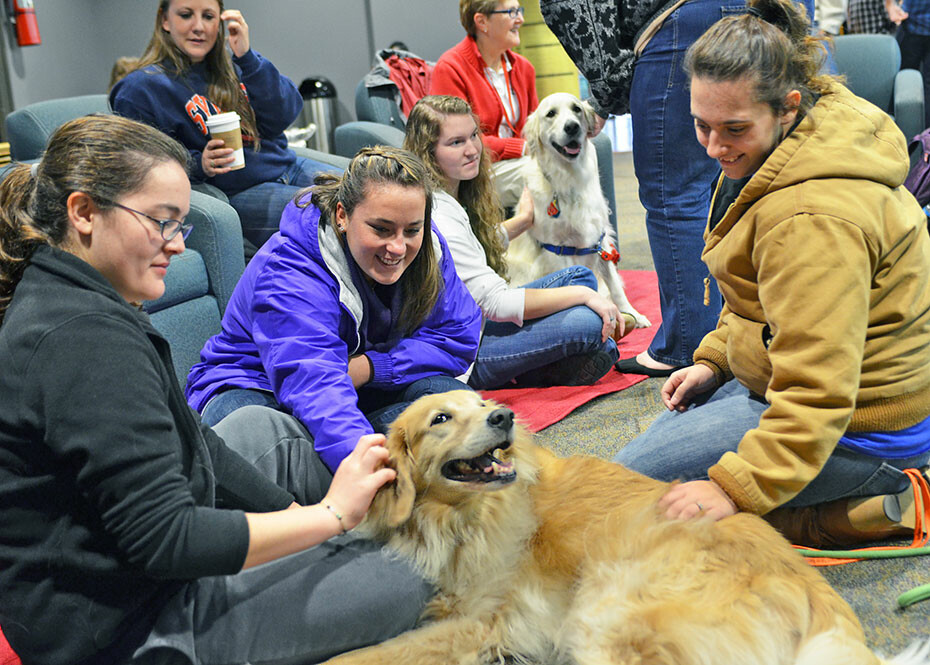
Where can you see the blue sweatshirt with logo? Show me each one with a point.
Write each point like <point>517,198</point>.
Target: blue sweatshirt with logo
<point>179,106</point>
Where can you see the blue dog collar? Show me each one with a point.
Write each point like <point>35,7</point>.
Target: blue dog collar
<point>565,250</point>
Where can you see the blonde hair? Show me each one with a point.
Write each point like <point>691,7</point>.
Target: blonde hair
<point>123,66</point>
<point>223,86</point>
<point>468,9</point>
<point>770,45</point>
<point>382,165</point>
<point>104,156</point>
<point>477,196</point>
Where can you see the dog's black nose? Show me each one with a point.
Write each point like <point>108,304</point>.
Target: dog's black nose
<point>501,419</point>
<point>571,128</point>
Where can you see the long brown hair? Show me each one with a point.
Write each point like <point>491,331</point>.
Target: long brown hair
<point>477,196</point>
<point>104,156</point>
<point>382,165</point>
<point>771,45</point>
<point>223,87</point>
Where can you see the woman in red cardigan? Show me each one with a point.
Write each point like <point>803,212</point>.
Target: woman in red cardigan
<point>499,85</point>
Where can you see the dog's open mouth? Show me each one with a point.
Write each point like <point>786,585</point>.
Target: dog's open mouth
<point>570,150</point>
<point>485,468</point>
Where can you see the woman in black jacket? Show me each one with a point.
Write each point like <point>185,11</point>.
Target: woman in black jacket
<point>125,523</point>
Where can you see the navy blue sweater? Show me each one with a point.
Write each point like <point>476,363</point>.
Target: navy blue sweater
<point>179,107</point>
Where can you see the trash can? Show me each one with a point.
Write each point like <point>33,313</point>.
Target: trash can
<point>319,101</point>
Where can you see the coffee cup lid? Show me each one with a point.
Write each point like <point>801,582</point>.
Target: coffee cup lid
<point>218,118</point>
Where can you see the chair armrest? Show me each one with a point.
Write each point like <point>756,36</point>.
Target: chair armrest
<point>316,155</point>
<point>210,190</point>
<point>353,136</point>
<point>909,102</point>
<point>217,236</point>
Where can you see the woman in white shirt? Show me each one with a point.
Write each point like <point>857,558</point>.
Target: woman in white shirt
<point>556,330</point>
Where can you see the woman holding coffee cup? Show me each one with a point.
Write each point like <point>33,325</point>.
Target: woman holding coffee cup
<point>186,77</point>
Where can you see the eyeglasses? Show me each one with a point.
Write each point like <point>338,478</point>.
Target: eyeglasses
<point>169,228</point>
<point>513,13</point>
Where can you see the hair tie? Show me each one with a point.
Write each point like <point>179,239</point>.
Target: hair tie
<point>34,169</point>
<point>755,12</point>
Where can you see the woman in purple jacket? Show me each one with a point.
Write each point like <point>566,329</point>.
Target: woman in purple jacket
<point>351,311</point>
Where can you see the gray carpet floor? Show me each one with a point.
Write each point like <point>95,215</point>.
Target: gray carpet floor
<point>607,423</point>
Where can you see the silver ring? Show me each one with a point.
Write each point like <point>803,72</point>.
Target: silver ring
<point>212,164</point>
<point>613,320</point>
<point>700,507</point>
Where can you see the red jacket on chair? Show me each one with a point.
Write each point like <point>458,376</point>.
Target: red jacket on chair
<point>460,72</point>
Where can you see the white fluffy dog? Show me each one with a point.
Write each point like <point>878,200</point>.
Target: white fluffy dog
<point>571,225</point>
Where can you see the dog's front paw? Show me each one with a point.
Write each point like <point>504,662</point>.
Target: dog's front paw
<point>641,321</point>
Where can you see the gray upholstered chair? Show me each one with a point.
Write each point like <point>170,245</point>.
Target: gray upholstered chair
<point>30,127</point>
<point>200,280</point>
<point>872,66</point>
<point>380,122</point>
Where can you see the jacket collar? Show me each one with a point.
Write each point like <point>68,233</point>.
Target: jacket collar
<point>76,270</point>
<point>473,56</point>
<point>69,267</point>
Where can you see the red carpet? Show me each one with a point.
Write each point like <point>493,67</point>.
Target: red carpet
<point>7,656</point>
<point>538,408</point>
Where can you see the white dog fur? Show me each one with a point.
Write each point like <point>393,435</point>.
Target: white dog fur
<point>562,172</point>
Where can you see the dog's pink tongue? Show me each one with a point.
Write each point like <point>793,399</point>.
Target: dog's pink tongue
<point>572,150</point>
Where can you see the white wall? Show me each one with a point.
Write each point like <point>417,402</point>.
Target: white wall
<point>82,38</point>
<point>428,27</point>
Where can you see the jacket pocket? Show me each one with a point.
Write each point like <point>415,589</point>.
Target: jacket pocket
<point>747,352</point>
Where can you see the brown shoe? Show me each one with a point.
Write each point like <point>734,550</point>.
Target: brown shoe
<point>629,325</point>
<point>845,522</point>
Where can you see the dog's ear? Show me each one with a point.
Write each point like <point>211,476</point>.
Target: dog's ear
<point>393,503</point>
<point>531,134</point>
<point>590,115</point>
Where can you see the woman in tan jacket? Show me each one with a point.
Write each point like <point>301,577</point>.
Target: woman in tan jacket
<point>813,392</point>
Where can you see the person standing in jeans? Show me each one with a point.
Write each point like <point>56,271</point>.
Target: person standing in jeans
<point>633,62</point>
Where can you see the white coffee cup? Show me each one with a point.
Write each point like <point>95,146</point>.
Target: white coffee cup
<point>226,126</point>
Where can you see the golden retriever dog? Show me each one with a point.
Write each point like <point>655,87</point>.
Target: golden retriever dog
<point>568,561</point>
<point>571,215</point>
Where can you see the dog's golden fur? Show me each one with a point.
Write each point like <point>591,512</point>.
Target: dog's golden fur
<point>571,561</point>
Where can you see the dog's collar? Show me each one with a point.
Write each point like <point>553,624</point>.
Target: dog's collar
<point>607,253</point>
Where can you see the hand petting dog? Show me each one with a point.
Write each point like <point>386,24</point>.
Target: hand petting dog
<point>698,498</point>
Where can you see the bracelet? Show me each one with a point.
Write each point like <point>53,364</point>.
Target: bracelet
<point>338,517</point>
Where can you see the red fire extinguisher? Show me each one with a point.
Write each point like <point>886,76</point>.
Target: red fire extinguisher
<point>27,29</point>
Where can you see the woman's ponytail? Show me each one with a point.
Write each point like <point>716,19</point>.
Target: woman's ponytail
<point>19,238</point>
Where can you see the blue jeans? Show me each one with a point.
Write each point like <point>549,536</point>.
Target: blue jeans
<point>683,446</point>
<point>675,177</point>
<point>343,594</point>
<point>562,349</point>
<point>381,407</point>
<point>261,205</point>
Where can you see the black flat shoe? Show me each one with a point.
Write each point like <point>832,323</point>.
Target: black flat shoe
<point>633,366</point>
